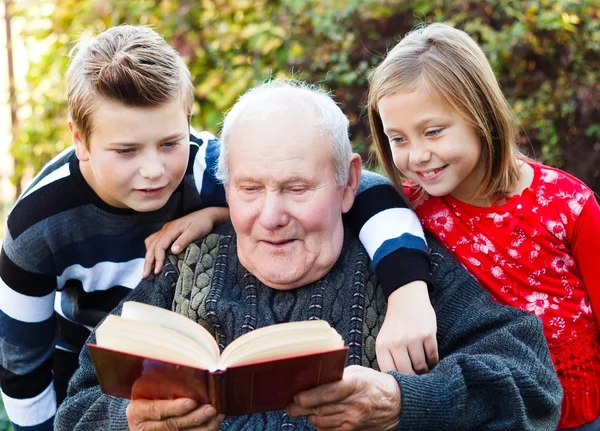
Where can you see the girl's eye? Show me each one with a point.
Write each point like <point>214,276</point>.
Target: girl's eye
<point>397,140</point>
<point>170,144</point>
<point>433,132</point>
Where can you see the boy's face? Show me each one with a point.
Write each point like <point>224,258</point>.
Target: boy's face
<point>136,157</point>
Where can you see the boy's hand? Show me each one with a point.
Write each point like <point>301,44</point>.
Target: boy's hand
<point>179,414</point>
<point>180,232</point>
<point>406,340</point>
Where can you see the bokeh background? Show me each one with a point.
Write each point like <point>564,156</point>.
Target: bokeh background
<point>546,55</point>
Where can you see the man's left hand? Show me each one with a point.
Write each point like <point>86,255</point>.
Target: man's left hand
<point>364,399</point>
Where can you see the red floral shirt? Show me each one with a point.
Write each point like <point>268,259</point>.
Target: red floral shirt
<point>538,251</point>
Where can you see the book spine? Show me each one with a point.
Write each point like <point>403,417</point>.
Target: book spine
<point>216,390</point>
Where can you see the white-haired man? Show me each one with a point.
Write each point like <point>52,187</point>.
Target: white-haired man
<point>289,175</point>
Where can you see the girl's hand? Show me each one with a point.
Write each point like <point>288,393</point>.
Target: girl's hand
<point>406,340</point>
<point>180,233</point>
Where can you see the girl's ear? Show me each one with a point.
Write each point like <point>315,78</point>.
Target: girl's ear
<point>81,150</point>
<point>352,184</point>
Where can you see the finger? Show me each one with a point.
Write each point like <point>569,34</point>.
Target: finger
<point>402,362</point>
<point>385,360</point>
<point>159,259</point>
<point>185,239</point>
<point>149,256</point>
<point>213,425</point>
<point>418,360</point>
<point>157,410</point>
<point>325,394</point>
<point>200,418</point>
<point>294,410</point>
<point>431,351</point>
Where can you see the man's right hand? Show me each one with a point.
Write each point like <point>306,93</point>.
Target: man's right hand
<point>171,415</point>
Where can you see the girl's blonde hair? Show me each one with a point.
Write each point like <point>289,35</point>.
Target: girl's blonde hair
<point>129,64</point>
<point>452,67</point>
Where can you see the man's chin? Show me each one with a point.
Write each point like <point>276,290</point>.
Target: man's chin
<point>280,281</point>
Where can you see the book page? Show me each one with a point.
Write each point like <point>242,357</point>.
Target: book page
<point>151,341</point>
<point>176,322</point>
<point>281,340</point>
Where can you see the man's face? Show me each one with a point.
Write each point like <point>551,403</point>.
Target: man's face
<point>284,204</point>
<point>135,157</point>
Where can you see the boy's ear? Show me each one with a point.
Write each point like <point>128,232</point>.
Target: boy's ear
<point>81,150</point>
<point>352,185</point>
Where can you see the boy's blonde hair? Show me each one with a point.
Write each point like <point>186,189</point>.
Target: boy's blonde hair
<point>132,65</point>
<point>452,67</point>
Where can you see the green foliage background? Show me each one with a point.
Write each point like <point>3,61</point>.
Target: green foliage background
<point>546,54</point>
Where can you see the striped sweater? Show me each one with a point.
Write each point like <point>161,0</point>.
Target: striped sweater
<point>69,258</point>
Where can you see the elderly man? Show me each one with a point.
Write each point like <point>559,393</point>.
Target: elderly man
<point>289,175</point>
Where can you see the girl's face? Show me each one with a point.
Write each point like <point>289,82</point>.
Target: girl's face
<point>432,145</point>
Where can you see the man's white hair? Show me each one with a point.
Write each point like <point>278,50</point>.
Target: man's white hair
<point>281,96</point>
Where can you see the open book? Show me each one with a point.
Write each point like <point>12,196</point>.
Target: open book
<point>152,353</point>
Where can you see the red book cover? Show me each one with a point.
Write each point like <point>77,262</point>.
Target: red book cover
<point>238,390</point>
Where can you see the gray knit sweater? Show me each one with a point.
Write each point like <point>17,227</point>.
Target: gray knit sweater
<point>495,371</point>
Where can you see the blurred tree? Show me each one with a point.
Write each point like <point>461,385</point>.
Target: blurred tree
<point>545,52</point>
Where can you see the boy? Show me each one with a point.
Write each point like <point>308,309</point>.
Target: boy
<point>75,239</point>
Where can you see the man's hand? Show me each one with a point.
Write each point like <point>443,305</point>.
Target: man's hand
<point>364,399</point>
<point>180,233</point>
<point>406,340</point>
<point>170,415</point>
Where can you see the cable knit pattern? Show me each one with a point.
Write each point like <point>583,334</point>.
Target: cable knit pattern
<point>490,353</point>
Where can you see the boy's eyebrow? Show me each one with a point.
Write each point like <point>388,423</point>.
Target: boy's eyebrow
<point>175,136</point>
<point>172,137</point>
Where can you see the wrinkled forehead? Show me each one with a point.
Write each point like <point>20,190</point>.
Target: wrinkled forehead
<point>282,146</point>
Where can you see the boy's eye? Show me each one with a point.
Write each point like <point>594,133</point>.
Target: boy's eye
<point>124,150</point>
<point>170,144</point>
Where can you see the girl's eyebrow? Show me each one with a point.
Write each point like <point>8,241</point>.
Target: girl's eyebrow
<point>423,122</point>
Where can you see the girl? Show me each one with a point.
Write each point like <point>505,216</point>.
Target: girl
<point>528,232</point>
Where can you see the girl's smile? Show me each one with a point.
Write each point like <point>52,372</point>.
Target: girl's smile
<point>432,145</point>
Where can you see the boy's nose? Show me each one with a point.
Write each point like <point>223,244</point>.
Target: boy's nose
<point>152,168</point>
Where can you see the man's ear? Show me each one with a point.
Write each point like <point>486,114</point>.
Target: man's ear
<point>352,184</point>
<point>82,152</point>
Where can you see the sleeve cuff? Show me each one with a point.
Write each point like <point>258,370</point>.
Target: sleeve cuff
<point>402,267</point>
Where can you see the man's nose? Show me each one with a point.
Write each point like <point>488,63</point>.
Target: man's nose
<point>152,167</point>
<point>273,213</point>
